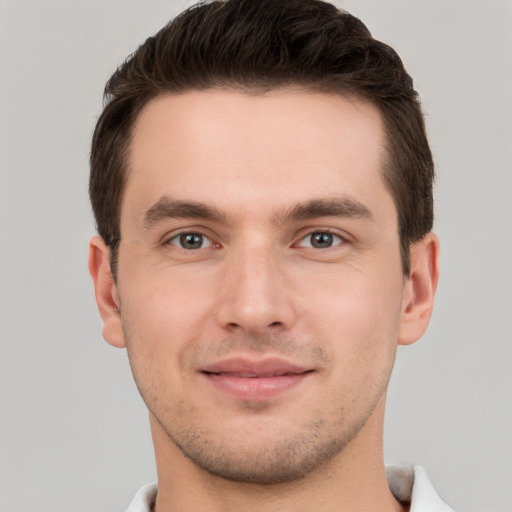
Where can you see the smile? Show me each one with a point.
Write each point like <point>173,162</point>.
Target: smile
<point>255,380</point>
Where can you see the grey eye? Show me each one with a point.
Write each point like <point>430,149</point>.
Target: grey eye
<point>191,241</point>
<point>321,240</point>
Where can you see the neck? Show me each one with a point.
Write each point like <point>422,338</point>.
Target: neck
<point>354,480</point>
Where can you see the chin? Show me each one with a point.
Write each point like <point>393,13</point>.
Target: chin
<point>275,458</point>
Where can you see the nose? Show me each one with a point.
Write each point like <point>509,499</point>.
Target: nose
<point>256,296</point>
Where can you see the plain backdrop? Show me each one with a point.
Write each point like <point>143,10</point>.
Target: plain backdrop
<point>74,432</point>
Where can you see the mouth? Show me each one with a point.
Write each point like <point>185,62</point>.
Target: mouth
<point>255,380</point>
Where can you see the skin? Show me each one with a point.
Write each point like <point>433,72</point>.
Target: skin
<point>296,257</point>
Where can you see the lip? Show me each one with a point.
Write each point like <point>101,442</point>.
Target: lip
<point>255,380</point>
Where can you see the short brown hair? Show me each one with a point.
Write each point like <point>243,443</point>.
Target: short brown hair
<point>259,45</point>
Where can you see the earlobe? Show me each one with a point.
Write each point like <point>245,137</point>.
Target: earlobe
<point>105,291</point>
<point>420,289</point>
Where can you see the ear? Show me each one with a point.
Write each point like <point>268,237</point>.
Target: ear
<point>105,291</point>
<point>420,289</point>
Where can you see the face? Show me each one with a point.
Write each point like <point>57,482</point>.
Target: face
<point>259,279</point>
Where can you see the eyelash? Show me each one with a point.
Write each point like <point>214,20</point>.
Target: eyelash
<point>324,232</point>
<point>179,238</point>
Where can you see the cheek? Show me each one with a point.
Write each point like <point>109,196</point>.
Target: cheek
<point>158,325</point>
<point>356,314</point>
<point>166,303</point>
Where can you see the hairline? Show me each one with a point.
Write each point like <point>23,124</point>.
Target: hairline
<point>260,89</point>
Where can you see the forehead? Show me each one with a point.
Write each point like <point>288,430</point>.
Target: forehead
<point>229,146</point>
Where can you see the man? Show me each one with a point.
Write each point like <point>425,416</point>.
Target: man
<point>262,186</point>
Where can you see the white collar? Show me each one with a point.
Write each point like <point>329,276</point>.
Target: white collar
<point>409,484</point>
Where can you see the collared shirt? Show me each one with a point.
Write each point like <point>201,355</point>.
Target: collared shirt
<point>409,484</point>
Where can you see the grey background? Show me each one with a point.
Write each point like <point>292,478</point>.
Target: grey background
<point>73,430</point>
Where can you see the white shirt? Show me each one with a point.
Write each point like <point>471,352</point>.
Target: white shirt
<point>407,483</point>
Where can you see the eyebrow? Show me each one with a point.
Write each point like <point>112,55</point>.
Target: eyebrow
<point>343,206</point>
<point>167,208</point>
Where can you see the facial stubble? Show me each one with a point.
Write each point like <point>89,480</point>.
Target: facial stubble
<point>271,455</point>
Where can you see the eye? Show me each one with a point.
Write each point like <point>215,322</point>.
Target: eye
<point>321,240</point>
<point>191,241</point>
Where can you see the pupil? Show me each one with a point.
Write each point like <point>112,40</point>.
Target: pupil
<point>321,240</point>
<point>191,241</point>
